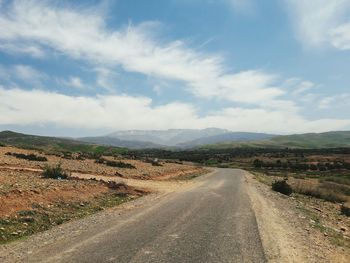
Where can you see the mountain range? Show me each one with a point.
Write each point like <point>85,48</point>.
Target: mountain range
<point>178,139</point>
<point>174,138</point>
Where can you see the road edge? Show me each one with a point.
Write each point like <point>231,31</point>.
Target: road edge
<point>280,241</point>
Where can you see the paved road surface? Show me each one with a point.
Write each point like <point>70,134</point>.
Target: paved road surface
<point>212,222</point>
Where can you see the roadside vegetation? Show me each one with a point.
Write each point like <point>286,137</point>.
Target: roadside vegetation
<point>114,163</point>
<point>282,187</point>
<point>55,172</point>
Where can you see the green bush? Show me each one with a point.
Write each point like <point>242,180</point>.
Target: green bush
<point>29,157</point>
<point>345,209</point>
<point>118,164</point>
<point>55,172</point>
<point>282,187</point>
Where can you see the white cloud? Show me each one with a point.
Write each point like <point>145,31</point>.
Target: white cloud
<point>28,73</point>
<point>298,86</point>
<point>120,112</point>
<point>106,78</point>
<point>82,34</point>
<point>335,101</point>
<point>341,36</point>
<point>74,82</point>
<point>24,73</point>
<point>16,49</point>
<point>242,5</point>
<point>321,22</point>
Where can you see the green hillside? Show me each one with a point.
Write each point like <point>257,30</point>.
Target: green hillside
<point>53,144</point>
<point>315,140</point>
<point>309,140</point>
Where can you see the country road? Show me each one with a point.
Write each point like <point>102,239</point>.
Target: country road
<point>212,221</point>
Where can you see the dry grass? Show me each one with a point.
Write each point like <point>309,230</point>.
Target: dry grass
<point>319,190</point>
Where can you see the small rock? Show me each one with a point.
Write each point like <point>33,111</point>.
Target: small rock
<point>28,219</point>
<point>343,228</point>
<point>325,234</point>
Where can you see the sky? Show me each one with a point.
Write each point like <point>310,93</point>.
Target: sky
<point>83,68</point>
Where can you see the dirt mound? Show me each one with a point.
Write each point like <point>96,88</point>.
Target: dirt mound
<point>124,189</point>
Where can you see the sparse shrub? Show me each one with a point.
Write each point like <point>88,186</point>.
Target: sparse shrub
<point>282,187</point>
<point>55,172</point>
<point>258,163</point>
<point>345,209</point>
<point>116,186</point>
<point>156,162</point>
<point>26,213</point>
<point>100,160</point>
<point>118,164</point>
<point>29,157</point>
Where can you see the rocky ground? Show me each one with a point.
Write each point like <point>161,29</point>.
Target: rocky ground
<point>144,170</point>
<point>30,203</point>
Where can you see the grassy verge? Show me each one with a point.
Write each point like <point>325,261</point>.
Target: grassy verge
<point>28,222</point>
<point>262,178</point>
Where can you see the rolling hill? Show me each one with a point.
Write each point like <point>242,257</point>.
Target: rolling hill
<point>171,137</point>
<point>227,137</point>
<point>53,144</point>
<point>221,140</point>
<point>111,141</point>
<point>332,139</point>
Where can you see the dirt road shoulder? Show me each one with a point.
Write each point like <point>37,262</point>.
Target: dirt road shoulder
<point>284,229</point>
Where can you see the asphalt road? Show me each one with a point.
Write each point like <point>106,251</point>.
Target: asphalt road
<point>212,222</point>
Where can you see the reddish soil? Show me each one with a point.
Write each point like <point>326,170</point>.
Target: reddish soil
<point>20,190</point>
<point>21,184</point>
